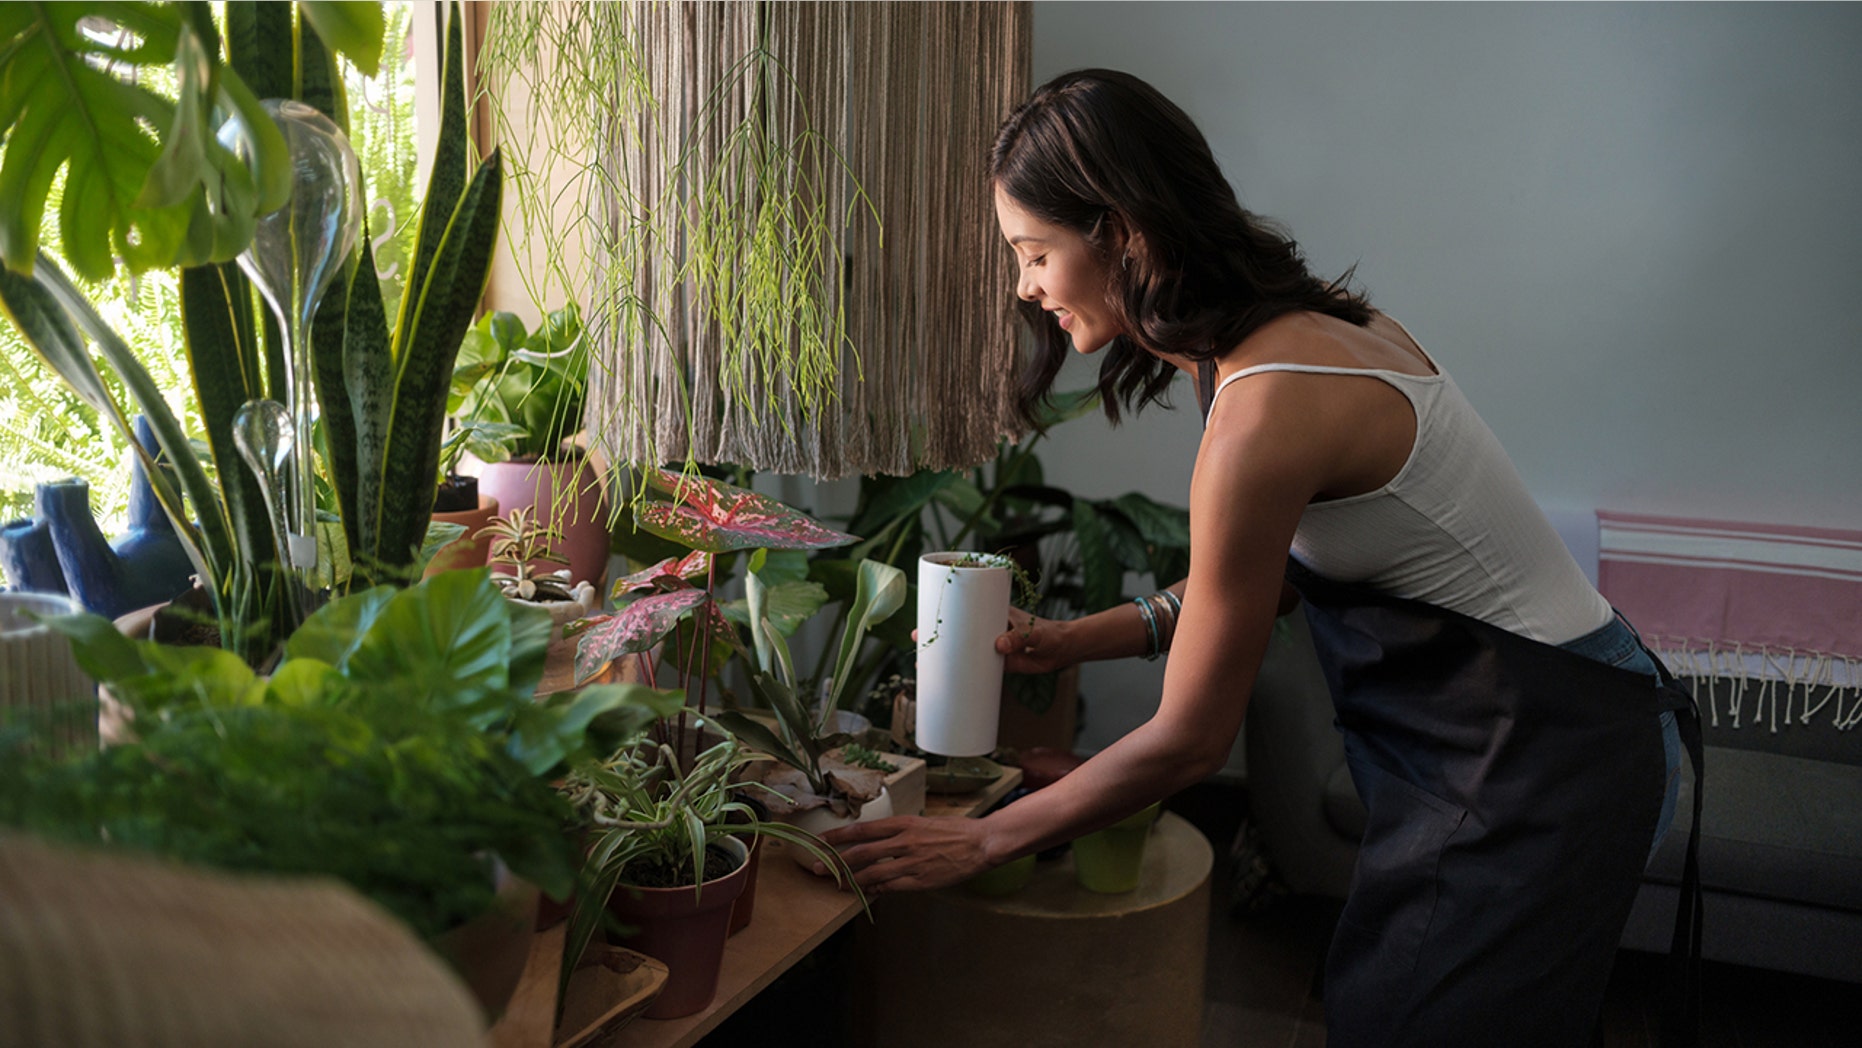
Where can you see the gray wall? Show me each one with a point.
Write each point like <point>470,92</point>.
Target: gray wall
<point>1633,233</point>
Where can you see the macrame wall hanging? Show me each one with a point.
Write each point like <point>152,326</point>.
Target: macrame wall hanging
<point>1762,621</point>
<point>792,255</point>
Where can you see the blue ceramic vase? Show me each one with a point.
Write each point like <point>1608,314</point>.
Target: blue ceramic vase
<point>145,565</point>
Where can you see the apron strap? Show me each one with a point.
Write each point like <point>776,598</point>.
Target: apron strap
<point>1680,1021</point>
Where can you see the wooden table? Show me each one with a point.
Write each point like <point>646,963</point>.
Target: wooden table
<point>795,912</point>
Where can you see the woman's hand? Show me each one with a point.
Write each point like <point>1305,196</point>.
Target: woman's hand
<point>1033,645</point>
<point>910,853</point>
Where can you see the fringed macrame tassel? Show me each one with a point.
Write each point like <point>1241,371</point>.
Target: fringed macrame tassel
<point>898,348</point>
<point>1786,686</point>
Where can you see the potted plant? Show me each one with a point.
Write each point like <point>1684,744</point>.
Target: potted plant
<point>530,387</point>
<point>457,500</point>
<point>398,746</point>
<point>519,544</point>
<point>667,858</point>
<point>818,788</point>
<point>1073,554</point>
<point>963,605</point>
<point>185,199</point>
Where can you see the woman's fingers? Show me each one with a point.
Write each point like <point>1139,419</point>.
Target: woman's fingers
<point>910,852</point>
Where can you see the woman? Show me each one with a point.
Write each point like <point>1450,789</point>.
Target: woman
<point>1513,773</point>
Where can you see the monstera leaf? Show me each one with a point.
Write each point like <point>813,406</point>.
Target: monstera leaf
<point>71,101</point>
<point>715,517</point>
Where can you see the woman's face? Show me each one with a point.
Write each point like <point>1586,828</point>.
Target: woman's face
<point>1059,272</point>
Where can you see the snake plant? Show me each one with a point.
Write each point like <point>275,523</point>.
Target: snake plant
<point>382,392</point>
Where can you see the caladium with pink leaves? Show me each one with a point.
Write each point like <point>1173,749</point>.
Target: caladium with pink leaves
<point>633,629</point>
<point>669,574</point>
<point>709,517</point>
<point>715,517</point>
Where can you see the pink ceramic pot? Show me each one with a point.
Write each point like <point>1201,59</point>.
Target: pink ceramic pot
<point>466,551</point>
<point>569,497</point>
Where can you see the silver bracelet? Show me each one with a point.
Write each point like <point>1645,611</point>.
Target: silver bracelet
<point>1168,606</point>
<point>1150,625</point>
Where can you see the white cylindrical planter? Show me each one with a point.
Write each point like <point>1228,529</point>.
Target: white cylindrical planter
<point>40,681</point>
<point>963,606</point>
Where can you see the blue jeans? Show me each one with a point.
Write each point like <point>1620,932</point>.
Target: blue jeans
<point>1615,643</point>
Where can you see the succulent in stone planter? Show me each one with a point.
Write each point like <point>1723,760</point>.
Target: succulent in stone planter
<point>519,546</point>
<point>519,543</point>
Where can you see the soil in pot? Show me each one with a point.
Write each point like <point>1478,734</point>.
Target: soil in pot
<point>683,927</point>
<point>456,494</point>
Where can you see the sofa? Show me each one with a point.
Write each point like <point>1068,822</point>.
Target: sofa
<point>1781,821</point>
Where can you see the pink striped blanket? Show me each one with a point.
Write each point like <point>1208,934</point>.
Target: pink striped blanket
<point>1720,599</point>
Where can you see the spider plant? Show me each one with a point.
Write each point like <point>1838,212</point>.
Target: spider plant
<point>650,820</point>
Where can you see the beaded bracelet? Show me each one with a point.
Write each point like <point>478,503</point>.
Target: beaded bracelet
<point>1150,625</point>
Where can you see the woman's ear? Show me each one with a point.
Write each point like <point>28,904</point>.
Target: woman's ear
<point>1124,243</point>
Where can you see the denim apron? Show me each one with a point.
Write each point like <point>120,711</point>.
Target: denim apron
<point>1512,789</point>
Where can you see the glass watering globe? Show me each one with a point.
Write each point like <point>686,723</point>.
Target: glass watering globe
<point>295,252</point>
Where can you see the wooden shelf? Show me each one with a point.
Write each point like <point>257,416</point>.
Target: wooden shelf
<point>795,912</point>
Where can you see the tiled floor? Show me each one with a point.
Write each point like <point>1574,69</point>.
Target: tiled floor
<point>1264,974</point>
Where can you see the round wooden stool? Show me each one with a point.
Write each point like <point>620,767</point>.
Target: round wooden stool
<point>1053,964</point>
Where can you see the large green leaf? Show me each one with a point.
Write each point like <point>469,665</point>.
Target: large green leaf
<point>354,28</point>
<point>881,592</point>
<point>333,632</point>
<point>440,313</point>
<point>367,387</point>
<point>786,605</point>
<point>224,357</point>
<point>70,101</point>
<point>1104,576</point>
<point>544,735</point>
<point>885,500</point>
<point>447,642</point>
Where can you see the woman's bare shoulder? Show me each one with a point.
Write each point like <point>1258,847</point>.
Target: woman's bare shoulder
<point>1314,339</point>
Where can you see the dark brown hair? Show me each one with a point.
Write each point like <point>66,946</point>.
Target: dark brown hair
<point>1104,154</point>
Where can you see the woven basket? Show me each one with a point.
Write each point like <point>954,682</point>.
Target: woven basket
<point>103,948</point>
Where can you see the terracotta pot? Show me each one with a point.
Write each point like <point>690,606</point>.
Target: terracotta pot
<point>466,551</point>
<point>489,951</point>
<point>745,906</point>
<point>685,928</point>
<point>569,497</point>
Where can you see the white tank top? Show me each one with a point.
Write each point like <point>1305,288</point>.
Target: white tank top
<point>1454,528</point>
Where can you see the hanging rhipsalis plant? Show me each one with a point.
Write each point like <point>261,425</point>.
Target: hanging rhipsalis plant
<point>781,231</point>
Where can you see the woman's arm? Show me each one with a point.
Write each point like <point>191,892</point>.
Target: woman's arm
<point>1037,645</point>
<point>1254,475</point>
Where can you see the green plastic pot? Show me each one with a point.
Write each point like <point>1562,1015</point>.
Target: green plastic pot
<point>1006,879</point>
<point>1111,861</point>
